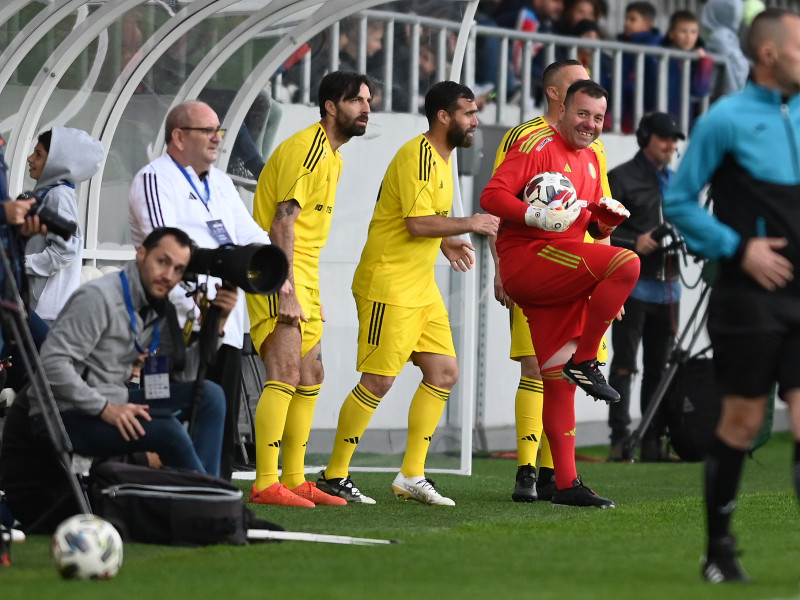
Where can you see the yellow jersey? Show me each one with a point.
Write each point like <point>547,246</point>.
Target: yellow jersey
<point>396,267</point>
<point>303,168</point>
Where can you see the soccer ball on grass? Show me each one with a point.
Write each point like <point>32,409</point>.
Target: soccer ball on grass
<point>86,547</point>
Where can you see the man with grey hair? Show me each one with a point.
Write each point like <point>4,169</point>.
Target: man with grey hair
<point>184,189</point>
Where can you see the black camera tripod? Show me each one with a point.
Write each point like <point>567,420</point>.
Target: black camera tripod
<point>678,356</point>
<point>13,313</point>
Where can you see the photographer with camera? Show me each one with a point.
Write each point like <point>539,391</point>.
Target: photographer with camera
<point>184,189</point>
<point>63,157</point>
<point>651,311</point>
<point>108,327</point>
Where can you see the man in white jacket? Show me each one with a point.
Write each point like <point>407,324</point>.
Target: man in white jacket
<point>183,189</point>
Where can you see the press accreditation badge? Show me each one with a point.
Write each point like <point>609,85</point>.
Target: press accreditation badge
<point>156,377</point>
<point>217,229</point>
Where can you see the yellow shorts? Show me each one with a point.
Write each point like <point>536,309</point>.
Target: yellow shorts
<point>263,312</point>
<point>388,334</point>
<point>522,345</point>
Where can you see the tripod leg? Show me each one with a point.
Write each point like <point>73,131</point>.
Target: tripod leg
<point>13,316</point>
<point>677,357</point>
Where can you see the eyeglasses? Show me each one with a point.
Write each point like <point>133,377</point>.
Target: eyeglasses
<point>209,131</point>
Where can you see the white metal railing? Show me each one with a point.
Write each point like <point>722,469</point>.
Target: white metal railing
<point>604,53</point>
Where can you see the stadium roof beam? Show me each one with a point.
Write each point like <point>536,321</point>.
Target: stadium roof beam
<point>48,77</point>
<point>30,35</point>
<point>124,87</point>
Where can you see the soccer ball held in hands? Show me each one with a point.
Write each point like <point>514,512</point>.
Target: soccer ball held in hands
<point>554,203</point>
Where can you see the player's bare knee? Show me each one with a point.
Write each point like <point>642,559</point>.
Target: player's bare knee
<point>284,370</point>
<point>444,379</point>
<point>377,385</point>
<point>740,428</point>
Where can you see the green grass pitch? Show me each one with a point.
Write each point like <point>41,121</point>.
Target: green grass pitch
<point>486,547</point>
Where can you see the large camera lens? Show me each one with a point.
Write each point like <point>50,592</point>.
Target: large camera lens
<point>256,268</point>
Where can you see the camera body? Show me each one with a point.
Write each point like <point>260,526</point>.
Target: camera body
<point>668,238</point>
<point>54,222</point>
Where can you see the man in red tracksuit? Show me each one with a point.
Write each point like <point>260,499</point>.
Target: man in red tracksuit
<point>569,290</point>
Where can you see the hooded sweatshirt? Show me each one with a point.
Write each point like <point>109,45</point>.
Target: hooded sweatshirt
<point>722,19</point>
<point>54,265</point>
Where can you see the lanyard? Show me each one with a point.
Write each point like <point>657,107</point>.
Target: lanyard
<point>69,185</point>
<point>126,291</point>
<point>207,198</point>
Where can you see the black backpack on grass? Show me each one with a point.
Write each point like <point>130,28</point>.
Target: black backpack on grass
<point>171,506</point>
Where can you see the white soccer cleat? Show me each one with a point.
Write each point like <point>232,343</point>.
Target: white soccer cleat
<point>420,489</point>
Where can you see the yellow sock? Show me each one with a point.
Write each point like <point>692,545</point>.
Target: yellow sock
<point>269,422</point>
<point>295,435</point>
<point>546,458</point>
<point>426,408</point>
<point>356,412</point>
<point>528,415</point>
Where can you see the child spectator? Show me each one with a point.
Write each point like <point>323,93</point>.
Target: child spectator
<point>722,19</point>
<point>684,34</point>
<point>62,158</point>
<point>574,12</point>
<point>639,18</point>
<point>588,29</point>
<point>530,16</point>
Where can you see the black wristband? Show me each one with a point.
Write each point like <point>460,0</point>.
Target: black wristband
<point>738,254</point>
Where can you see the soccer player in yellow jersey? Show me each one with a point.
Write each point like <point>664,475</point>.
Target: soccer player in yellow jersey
<point>557,78</point>
<point>294,202</point>
<point>401,314</point>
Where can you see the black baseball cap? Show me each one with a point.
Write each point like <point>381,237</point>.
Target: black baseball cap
<point>662,124</point>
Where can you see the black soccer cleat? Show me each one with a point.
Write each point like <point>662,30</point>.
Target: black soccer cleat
<point>721,565</point>
<point>580,495</point>
<point>525,487</point>
<point>343,488</point>
<point>587,376</point>
<point>546,484</point>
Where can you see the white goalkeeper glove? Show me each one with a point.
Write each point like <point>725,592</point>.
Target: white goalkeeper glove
<point>551,219</point>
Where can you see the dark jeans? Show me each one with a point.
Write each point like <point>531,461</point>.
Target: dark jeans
<point>654,326</point>
<point>16,374</point>
<point>487,58</point>
<point>165,434</point>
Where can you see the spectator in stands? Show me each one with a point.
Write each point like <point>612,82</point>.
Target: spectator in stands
<point>349,41</point>
<point>62,158</point>
<point>722,19</point>
<point>590,30</point>
<point>574,12</point>
<point>487,51</point>
<point>684,34</point>
<point>639,18</point>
